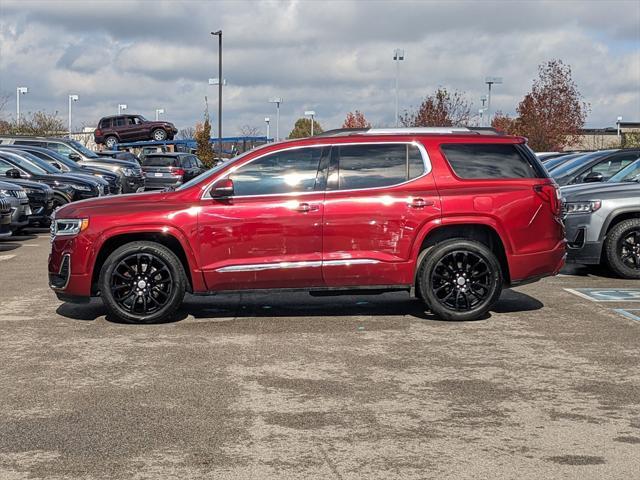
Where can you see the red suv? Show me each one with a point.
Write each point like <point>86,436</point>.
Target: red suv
<point>450,215</point>
<point>131,128</point>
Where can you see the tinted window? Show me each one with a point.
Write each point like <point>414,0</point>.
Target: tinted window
<point>26,165</point>
<point>4,166</point>
<point>105,123</point>
<point>470,160</point>
<point>27,142</point>
<point>283,172</point>
<point>120,122</point>
<point>158,161</point>
<point>61,148</point>
<point>369,166</point>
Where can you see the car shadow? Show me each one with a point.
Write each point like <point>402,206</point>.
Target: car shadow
<point>579,270</point>
<point>300,305</point>
<point>8,246</point>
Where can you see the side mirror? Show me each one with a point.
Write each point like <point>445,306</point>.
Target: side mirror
<point>57,165</point>
<point>13,173</point>
<point>74,156</point>
<point>222,189</point>
<point>594,177</point>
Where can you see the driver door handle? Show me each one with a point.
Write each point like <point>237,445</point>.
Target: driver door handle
<point>420,203</point>
<point>307,207</point>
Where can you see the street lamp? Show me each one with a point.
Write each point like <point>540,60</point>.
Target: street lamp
<point>267,120</point>
<point>220,82</point>
<point>158,112</point>
<point>19,91</point>
<point>490,81</point>
<point>398,56</point>
<point>310,113</point>
<point>277,101</point>
<point>72,98</point>
<point>121,107</point>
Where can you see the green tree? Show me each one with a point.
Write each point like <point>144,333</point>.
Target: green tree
<point>302,128</point>
<point>204,150</point>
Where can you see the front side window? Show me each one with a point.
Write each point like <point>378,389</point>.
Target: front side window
<point>488,161</point>
<point>61,148</point>
<point>5,167</point>
<point>121,122</point>
<point>377,165</point>
<point>278,173</point>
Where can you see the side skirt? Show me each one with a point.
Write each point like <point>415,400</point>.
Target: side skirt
<point>321,291</point>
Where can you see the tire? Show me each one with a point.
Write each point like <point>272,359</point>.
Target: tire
<point>159,135</point>
<point>622,248</point>
<point>460,280</point>
<point>145,298</point>
<point>59,201</point>
<point>110,142</point>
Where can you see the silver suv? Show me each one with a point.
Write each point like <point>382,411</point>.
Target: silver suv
<point>603,225</point>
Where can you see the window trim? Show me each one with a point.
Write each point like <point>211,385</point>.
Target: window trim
<point>421,148</point>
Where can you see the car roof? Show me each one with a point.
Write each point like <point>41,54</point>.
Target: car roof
<point>167,154</point>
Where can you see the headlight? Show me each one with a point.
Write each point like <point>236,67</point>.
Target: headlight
<point>582,207</point>
<point>82,188</point>
<point>128,172</point>
<point>68,226</point>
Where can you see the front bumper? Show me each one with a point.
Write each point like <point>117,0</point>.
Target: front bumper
<point>133,184</point>
<point>20,215</point>
<point>583,242</point>
<point>41,209</point>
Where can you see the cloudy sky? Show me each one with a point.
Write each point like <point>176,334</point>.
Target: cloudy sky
<point>328,56</point>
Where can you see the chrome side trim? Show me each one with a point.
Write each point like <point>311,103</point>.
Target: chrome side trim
<point>256,267</point>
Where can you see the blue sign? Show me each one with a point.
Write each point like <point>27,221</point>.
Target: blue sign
<point>607,294</point>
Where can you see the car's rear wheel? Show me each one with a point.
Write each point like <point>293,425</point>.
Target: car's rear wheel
<point>111,142</point>
<point>460,279</point>
<point>142,282</point>
<point>159,135</point>
<point>622,248</point>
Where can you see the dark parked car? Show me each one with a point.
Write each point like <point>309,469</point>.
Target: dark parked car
<point>131,128</point>
<point>170,169</point>
<point>557,161</point>
<point>40,198</point>
<point>130,172</point>
<point>20,210</point>
<point>5,217</point>
<point>67,188</point>
<point>66,165</point>
<point>594,167</point>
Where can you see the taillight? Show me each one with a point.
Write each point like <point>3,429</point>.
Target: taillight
<point>550,192</point>
<point>98,132</point>
<point>177,171</point>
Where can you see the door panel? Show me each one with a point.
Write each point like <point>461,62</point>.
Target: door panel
<point>369,233</point>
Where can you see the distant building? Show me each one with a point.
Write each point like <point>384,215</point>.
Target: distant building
<point>602,138</point>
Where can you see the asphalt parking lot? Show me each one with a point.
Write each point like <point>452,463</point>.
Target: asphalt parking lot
<point>291,386</point>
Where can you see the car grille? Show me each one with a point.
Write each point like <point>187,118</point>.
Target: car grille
<point>4,207</point>
<point>18,193</point>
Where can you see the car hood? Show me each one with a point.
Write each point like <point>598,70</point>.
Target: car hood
<point>87,170</point>
<point>600,191</point>
<point>159,124</point>
<point>109,162</point>
<point>112,204</point>
<point>53,178</point>
<point>27,183</point>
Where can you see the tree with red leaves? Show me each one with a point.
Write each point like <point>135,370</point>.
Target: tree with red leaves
<point>441,109</point>
<point>356,120</point>
<point>552,114</point>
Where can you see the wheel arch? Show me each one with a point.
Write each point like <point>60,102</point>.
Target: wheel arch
<point>169,239</point>
<point>478,231</point>
<point>617,216</point>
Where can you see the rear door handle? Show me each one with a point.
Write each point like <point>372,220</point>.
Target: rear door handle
<point>307,207</point>
<point>420,203</point>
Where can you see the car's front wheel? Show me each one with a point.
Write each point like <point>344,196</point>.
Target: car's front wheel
<point>460,279</point>
<point>142,282</point>
<point>159,135</point>
<point>622,248</point>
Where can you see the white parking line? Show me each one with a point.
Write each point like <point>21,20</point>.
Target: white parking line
<point>6,257</point>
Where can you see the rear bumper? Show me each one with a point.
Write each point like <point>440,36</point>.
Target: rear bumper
<point>534,266</point>
<point>132,184</point>
<point>589,253</point>
<point>160,183</point>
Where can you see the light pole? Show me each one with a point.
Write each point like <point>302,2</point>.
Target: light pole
<point>277,101</point>
<point>158,112</point>
<point>311,113</point>
<point>72,98</point>
<point>220,82</point>
<point>19,91</point>
<point>267,120</point>
<point>490,81</point>
<point>483,109</point>
<point>398,56</point>
<point>121,107</point>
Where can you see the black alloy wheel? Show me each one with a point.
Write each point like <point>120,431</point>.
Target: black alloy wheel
<point>141,283</point>
<point>629,249</point>
<point>460,279</point>
<point>622,248</point>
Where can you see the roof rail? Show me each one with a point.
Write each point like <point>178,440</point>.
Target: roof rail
<point>341,132</point>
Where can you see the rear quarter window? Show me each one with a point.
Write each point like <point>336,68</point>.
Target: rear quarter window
<point>488,161</point>
<point>105,123</point>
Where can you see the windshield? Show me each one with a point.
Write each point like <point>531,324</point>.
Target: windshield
<point>25,164</point>
<point>630,173</point>
<point>574,165</point>
<point>82,149</point>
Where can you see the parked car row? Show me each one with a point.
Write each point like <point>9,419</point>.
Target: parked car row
<point>601,203</point>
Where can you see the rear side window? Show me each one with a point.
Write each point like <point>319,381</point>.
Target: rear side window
<point>120,122</point>
<point>377,165</point>
<point>61,148</point>
<point>485,161</point>
<point>157,161</point>
<point>27,142</point>
<point>105,123</point>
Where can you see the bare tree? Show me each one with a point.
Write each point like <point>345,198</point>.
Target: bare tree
<point>187,133</point>
<point>249,131</point>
